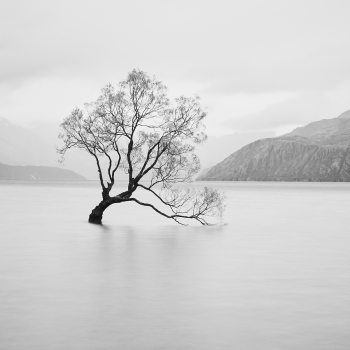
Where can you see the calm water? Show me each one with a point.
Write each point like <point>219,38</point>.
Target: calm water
<point>276,277</point>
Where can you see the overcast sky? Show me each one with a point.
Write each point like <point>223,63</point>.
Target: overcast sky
<point>257,65</point>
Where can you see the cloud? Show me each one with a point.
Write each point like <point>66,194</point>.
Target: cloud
<point>46,99</point>
<point>235,46</point>
<point>301,109</point>
<point>234,106</point>
<point>219,50</point>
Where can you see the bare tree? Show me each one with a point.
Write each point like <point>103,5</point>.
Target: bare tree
<point>136,129</point>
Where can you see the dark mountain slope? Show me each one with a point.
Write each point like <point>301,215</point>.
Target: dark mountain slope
<point>319,151</point>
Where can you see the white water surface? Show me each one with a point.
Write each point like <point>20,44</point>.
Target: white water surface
<point>277,276</point>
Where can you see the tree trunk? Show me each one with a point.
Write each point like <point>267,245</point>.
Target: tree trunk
<point>96,215</point>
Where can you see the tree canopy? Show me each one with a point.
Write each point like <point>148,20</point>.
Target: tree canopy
<point>136,128</point>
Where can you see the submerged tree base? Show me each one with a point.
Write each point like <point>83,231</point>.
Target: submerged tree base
<point>96,215</point>
<point>95,219</point>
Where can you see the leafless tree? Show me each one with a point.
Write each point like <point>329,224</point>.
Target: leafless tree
<point>136,129</point>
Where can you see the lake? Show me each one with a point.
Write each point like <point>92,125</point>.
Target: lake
<point>277,276</point>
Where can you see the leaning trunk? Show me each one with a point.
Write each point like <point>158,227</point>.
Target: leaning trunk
<point>96,215</point>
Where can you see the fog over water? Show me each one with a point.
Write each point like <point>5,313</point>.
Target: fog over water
<point>277,276</point>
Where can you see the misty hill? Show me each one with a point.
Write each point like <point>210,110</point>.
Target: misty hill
<point>21,146</point>
<point>214,150</point>
<point>9,172</point>
<point>203,172</point>
<point>319,151</point>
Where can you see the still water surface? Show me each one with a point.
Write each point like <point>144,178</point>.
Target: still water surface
<point>277,276</point>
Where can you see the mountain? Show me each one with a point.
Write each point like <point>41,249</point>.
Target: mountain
<point>203,172</point>
<point>217,148</point>
<point>319,151</point>
<point>22,146</point>
<point>35,145</point>
<point>19,146</point>
<point>9,172</point>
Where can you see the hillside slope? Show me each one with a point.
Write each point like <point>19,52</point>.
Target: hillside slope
<point>319,151</point>
<point>21,146</point>
<point>9,172</point>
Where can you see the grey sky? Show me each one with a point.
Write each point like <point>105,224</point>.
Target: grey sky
<point>258,65</point>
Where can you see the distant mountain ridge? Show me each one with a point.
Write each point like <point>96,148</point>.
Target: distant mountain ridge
<point>334,131</point>
<point>319,151</point>
<point>9,172</point>
<point>36,146</point>
<point>21,146</point>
